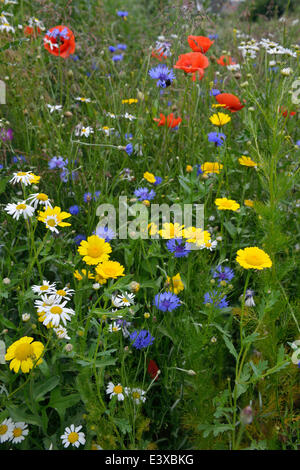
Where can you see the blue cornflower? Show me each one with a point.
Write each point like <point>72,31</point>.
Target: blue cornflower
<point>213,36</point>
<point>87,197</point>
<point>78,239</point>
<point>298,143</point>
<point>55,33</point>
<point>217,138</point>
<point>142,339</point>
<point>158,180</point>
<point>128,136</point>
<point>65,175</point>
<point>124,325</point>
<point>222,273</point>
<point>143,194</point>
<point>1,167</point>
<point>74,210</point>
<point>18,158</point>
<point>178,247</point>
<point>166,301</point>
<point>214,92</point>
<point>163,75</point>
<point>96,195</point>
<point>199,170</point>
<point>128,149</point>
<point>112,48</point>
<point>57,162</point>
<point>215,299</point>
<point>122,14</point>
<point>74,57</point>
<point>122,47</point>
<point>117,57</point>
<point>106,233</point>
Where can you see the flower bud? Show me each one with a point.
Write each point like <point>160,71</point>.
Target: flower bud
<point>246,415</point>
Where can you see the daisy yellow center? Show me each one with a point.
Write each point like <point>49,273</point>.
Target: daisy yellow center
<point>118,389</point>
<point>73,437</point>
<point>42,197</point>
<point>51,222</point>
<point>21,173</point>
<point>3,429</point>
<point>21,207</point>
<point>61,292</point>
<point>125,300</point>
<point>115,328</point>
<point>17,432</point>
<point>24,351</point>
<point>44,288</point>
<point>56,310</point>
<point>136,395</point>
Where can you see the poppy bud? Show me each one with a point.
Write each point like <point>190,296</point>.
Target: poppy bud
<point>246,415</point>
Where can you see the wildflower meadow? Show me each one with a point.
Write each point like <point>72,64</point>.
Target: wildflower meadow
<point>149,238</point>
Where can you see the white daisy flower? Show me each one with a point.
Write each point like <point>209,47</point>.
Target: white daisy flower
<point>50,44</point>
<point>129,116</point>
<point>6,430</point>
<point>83,100</point>
<point>286,71</point>
<point>36,22</point>
<point>137,394</point>
<point>20,431</point>
<point>3,19</point>
<point>16,210</point>
<point>86,131</point>
<point>113,327</point>
<point>123,300</point>
<point>64,293</point>
<point>111,115</point>
<point>57,107</point>
<point>61,332</point>
<point>47,301</point>
<point>39,199</point>
<point>46,287</point>
<point>73,436</point>
<point>210,245</point>
<point>57,312</point>
<point>107,130</point>
<point>24,177</point>
<point>115,390</point>
<point>7,28</point>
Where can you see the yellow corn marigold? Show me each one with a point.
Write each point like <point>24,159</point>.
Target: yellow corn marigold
<point>253,258</point>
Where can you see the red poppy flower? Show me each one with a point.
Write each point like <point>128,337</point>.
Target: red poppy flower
<point>170,121</point>
<point>199,74</point>
<point>192,62</point>
<point>284,112</point>
<point>60,41</point>
<point>30,31</point>
<point>153,369</point>
<point>231,102</point>
<point>158,54</point>
<point>225,60</point>
<point>199,43</point>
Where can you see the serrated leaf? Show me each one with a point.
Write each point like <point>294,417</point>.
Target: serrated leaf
<point>43,388</point>
<point>230,347</point>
